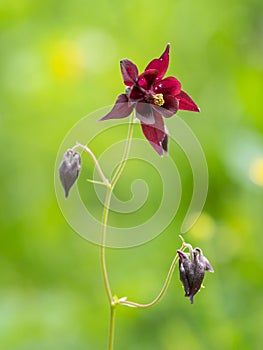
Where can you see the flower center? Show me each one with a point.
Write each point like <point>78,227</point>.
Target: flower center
<point>158,99</point>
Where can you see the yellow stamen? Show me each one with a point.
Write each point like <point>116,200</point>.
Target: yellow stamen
<point>158,99</point>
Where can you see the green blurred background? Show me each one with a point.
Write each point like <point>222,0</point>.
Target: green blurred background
<point>59,62</point>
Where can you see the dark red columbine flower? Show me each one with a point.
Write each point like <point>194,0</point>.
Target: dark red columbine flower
<point>152,97</point>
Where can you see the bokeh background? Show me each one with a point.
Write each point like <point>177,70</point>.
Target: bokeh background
<point>59,62</point>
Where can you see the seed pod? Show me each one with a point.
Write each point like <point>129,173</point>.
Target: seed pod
<point>69,170</point>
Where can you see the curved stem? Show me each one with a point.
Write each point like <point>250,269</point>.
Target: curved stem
<point>96,163</point>
<point>163,290</point>
<point>125,154</point>
<point>105,215</point>
<point>106,210</point>
<point>103,241</point>
<point>110,187</point>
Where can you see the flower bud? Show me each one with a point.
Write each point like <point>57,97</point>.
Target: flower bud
<point>192,271</point>
<point>69,170</point>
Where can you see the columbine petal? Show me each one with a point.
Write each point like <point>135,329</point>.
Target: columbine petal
<point>156,134</point>
<point>184,271</point>
<point>165,140</point>
<point>147,78</point>
<point>129,72</point>
<point>204,261</point>
<point>121,109</point>
<point>145,113</point>
<point>135,94</point>
<point>168,86</point>
<point>161,64</point>
<point>169,108</point>
<point>186,103</point>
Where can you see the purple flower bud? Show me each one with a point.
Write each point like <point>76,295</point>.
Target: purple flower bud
<point>192,271</point>
<point>69,170</point>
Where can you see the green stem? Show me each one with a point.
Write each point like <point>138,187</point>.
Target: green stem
<point>163,290</point>
<point>105,215</point>
<point>103,241</point>
<point>112,326</point>
<point>106,210</point>
<point>90,153</point>
<point>125,154</point>
<point>104,222</point>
